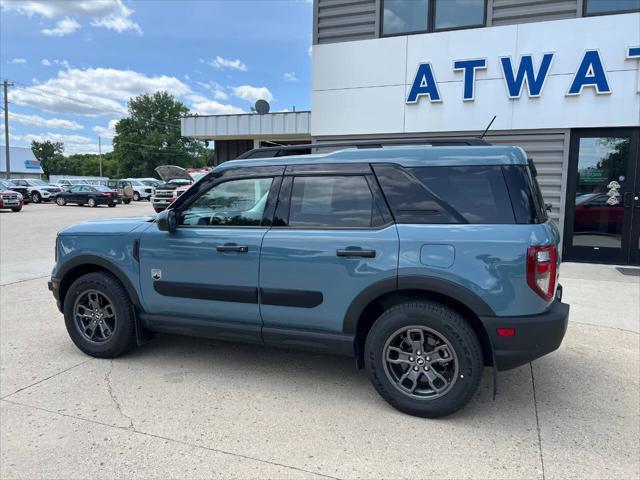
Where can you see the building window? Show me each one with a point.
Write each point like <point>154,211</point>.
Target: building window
<point>401,17</point>
<point>602,7</point>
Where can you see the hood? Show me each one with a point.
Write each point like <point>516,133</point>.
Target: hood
<point>170,172</point>
<point>112,226</point>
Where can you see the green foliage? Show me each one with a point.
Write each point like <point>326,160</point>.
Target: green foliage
<point>47,153</point>
<point>150,136</point>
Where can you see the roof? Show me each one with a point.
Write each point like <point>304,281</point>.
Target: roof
<point>22,160</point>
<point>249,125</point>
<point>418,156</point>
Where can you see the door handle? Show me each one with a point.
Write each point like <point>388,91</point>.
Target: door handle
<point>232,247</point>
<point>355,252</point>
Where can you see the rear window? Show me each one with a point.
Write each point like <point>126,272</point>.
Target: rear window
<point>478,194</point>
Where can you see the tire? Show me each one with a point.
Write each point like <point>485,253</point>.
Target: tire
<point>36,197</point>
<point>92,202</point>
<point>136,196</point>
<point>111,205</point>
<point>127,201</point>
<point>463,369</point>
<point>16,209</point>
<point>61,201</point>
<point>108,287</point>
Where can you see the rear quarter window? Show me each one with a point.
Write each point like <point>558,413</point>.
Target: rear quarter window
<point>476,194</point>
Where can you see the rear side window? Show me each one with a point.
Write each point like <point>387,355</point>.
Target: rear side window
<point>332,201</point>
<point>525,194</point>
<point>477,194</point>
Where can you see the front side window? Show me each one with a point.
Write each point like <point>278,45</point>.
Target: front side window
<point>332,202</point>
<point>421,16</point>
<point>599,7</point>
<point>234,203</point>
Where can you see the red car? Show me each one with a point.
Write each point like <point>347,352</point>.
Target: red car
<point>10,199</point>
<point>595,214</point>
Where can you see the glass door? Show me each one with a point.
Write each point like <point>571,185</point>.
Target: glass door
<point>602,219</point>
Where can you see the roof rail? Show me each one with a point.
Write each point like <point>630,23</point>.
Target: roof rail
<point>307,148</point>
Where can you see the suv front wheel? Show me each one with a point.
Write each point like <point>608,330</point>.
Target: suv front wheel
<point>424,358</point>
<point>99,316</point>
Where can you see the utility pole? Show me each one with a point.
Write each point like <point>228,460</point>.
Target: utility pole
<point>100,154</point>
<point>6,126</point>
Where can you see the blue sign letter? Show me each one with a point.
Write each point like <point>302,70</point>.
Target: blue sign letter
<point>469,67</point>
<point>424,84</point>
<point>590,74</point>
<point>535,81</point>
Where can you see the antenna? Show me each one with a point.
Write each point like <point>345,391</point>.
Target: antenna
<point>488,127</point>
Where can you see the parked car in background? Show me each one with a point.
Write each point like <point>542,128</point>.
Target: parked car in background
<point>10,199</point>
<point>91,195</point>
<point>150,182</point>
<point>38,190</point>
<point>183,188</point>
<point>124,189</point>
<point>425,264</point>
<point>141,191</point>
<point>22,190</point>
<point>174,177</point>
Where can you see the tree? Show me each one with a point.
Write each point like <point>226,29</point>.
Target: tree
<point>150,136</point>
<point>47,153</point>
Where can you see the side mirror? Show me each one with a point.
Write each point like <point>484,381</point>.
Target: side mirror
<point>167,221</point>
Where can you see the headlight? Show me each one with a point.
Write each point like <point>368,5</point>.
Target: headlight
<point>19,195</point>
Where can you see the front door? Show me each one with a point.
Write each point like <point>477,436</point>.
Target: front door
<point>203,278</point>
<point>602,223</point>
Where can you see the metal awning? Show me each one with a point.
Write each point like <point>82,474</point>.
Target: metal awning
<point>280,125</point>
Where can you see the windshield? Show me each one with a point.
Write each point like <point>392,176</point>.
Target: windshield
<point>7,184</point>
<point>137,183</point>
<point>38,182</point>
<point>179,181</point>
<point>197,176</point>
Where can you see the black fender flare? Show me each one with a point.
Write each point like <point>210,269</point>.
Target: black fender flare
<point>103,263</point>
<point>440,286</point>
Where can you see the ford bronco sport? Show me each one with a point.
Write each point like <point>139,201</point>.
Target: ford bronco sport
<point>424,263</point>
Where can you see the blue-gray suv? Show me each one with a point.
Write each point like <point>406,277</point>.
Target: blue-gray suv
<point>426,264</point>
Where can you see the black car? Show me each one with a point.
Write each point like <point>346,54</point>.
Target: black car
<point>92,195</point>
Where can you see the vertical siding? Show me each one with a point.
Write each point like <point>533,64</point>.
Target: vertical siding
<point>344,20</point>
<point>509,12</point>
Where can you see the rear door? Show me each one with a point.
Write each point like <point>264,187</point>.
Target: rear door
<point>333,237</point>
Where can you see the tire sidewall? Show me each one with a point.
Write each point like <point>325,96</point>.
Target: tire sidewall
<point>61,201</point>
<point>92,202</point>
<point>454,330</point>
<point>36,197</point>
<point>121,338</point>
<point>136,197</point>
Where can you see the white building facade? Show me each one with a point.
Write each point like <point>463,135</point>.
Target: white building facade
<point>561,78</point>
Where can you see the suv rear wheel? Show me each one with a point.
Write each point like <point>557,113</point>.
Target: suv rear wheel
<point>36,197</point>
<point>424,359</point>
<point>98,315</point>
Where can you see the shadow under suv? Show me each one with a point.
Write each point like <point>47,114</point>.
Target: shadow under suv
<point>426,264</point>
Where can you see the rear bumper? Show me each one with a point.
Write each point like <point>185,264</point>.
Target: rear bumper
<point>535,335</point>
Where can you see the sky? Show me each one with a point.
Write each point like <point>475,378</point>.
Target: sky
<point>76,63</point>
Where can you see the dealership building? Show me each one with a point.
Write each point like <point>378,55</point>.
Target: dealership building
<point>561,78</point>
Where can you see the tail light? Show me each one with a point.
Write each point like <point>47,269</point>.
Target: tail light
<point>106,194</point>
<point>542,270</point>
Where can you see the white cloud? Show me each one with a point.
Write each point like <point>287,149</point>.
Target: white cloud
<point>38,121</point>
<point>17,61</point>
<point>225,63</point>
<point>72,143</point>
<point>251,94</point>
<point>63,27</point>
<point>109,14</point>
<point>215,88</point>
<point>310,50</point>
<point>186,77</point>
<point>46,62</point>
<point>205,106</point>
<point>94,91</point>
<point>109,131</point>
<point>290,77</point>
